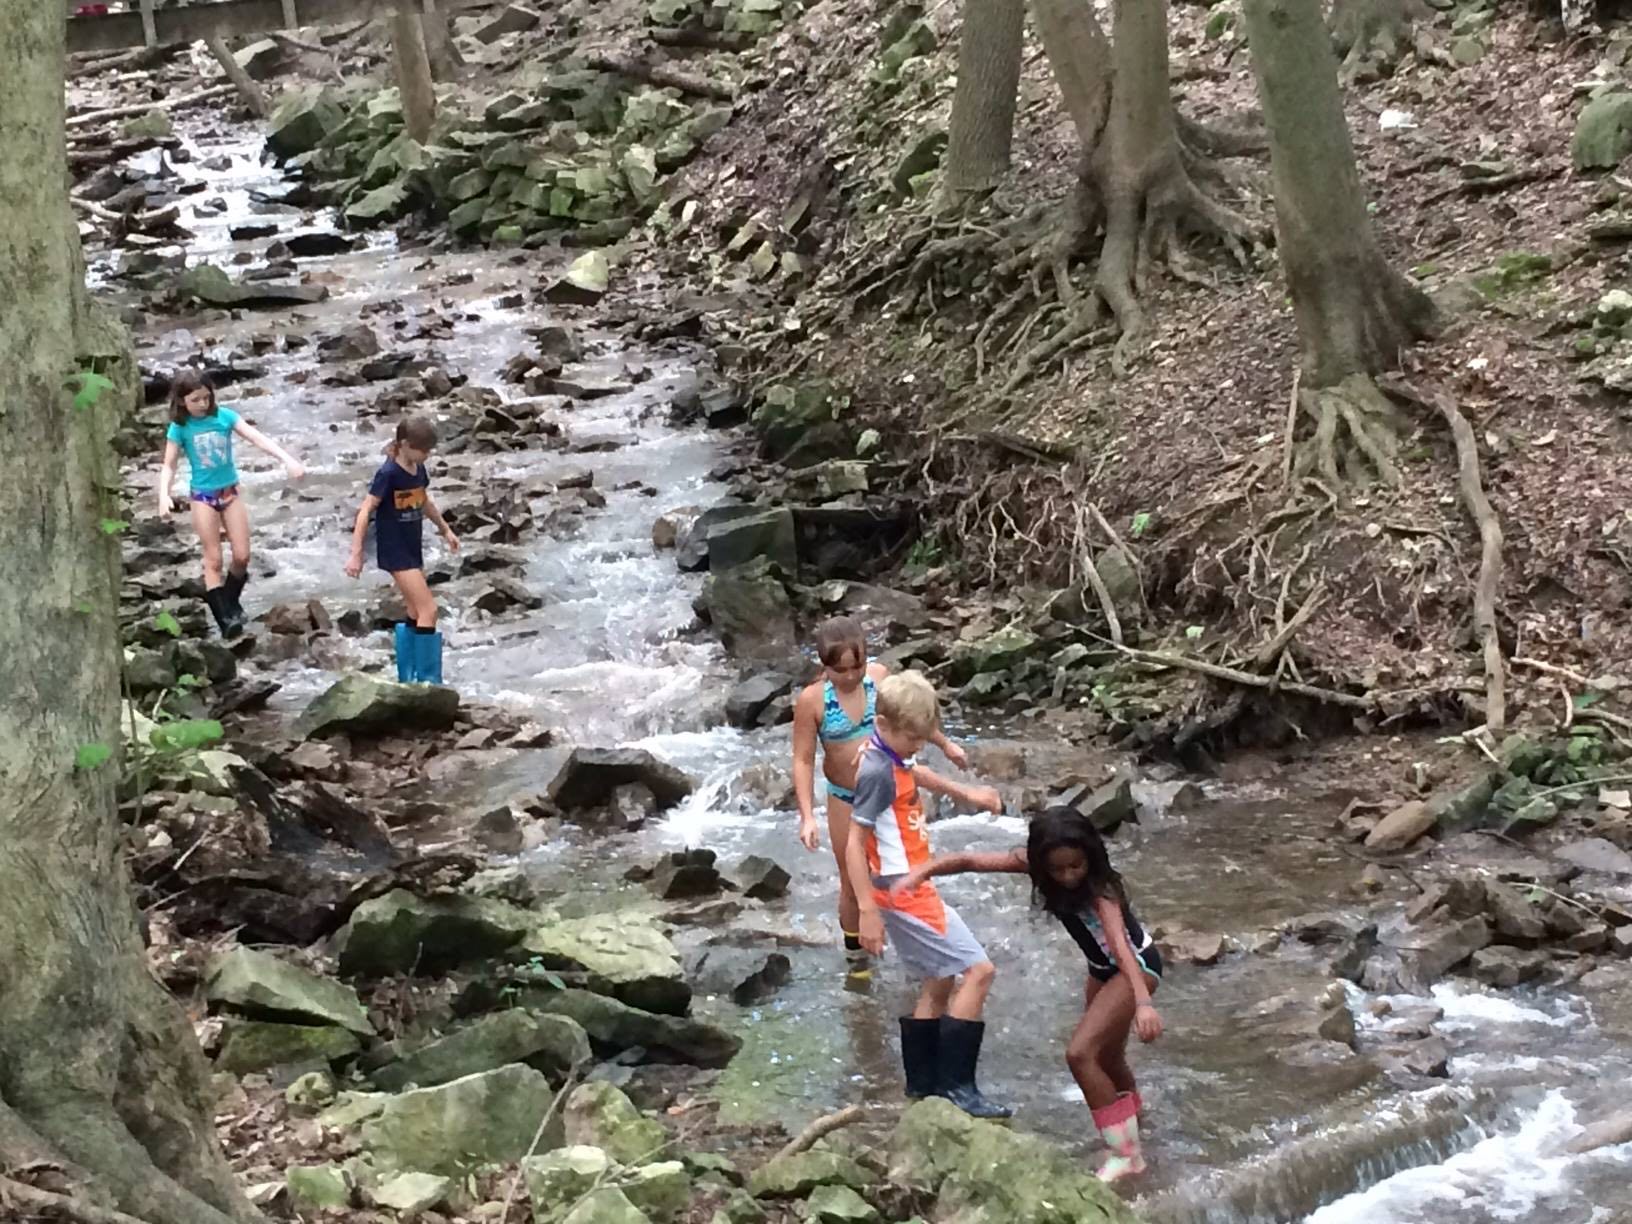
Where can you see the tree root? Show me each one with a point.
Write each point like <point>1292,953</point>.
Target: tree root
<point>820,1129</point>
<point>30,1200</point>
<point>1354,433</point>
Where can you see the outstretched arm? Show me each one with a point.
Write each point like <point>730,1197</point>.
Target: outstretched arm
<point>954,752</point>
<point>257,439</point>
<point>974,796</point>
<point>1013,861</point>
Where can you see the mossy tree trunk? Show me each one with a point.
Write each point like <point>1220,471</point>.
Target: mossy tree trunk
<point>982,129</point>
<point>99,1069</point>
<point>1141,185</point>
<point>413,74</point>
<point>1354,311</point>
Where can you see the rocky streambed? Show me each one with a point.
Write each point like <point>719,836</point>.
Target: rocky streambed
<point>584,865</point>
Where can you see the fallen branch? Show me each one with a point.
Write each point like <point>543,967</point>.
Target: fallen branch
<point>1552,669</point>
<point>1490,559</point>
<point>538,1137</point>
<point>1367,701</point>
<point>1271,650</point>
<point>1107,605</point>
<point>141,108</point>
<point>662,74</point>
<point>820,1129</point>
<point>1494,182</point>
<point>254,97</point>
<point>1104,525</point>
<point>34,1201</point>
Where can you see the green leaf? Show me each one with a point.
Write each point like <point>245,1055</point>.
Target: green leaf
<point>85,607</point>
<point>1194,632</point>
<point>1141,524</point>
<point>166,622</point>
<point>92,756</point>
<point>88,387</point>
<point>189,681</point>
<point>186,734</point>
<point>1587,699</point>
<point>111,526</point>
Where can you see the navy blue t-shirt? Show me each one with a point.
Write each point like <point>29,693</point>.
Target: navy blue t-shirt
<point>397,522</point>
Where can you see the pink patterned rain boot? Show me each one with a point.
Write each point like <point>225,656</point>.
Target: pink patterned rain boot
<point>1118,1125</point>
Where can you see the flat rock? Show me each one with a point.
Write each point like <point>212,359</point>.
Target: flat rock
<point>259,984</point>
<point>361,705</point>
<point>552,1044</point>
<point>490,1118</point>
<point>1401,827</point>
<point>625,955</point>
<point>1597,854</point>
<point>614,1027</point>
<point>249,1046</point>
<point>210,285</point>
<point>402,933</point>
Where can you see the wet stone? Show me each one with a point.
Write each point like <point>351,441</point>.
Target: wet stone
<point>1508,967</point>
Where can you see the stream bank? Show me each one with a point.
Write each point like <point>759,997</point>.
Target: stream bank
<point>1256,1113</point>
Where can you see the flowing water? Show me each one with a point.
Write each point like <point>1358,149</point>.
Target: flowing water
<point>1245,1122</point>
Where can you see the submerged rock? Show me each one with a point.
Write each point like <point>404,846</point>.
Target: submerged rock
<point>359,704</point>
<point>208,284</point>
<point>258,984</point>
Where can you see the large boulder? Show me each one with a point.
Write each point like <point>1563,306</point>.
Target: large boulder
<point>614,1027</point>
<point>1603,134</point>
<point>553,1044</point>
<point>995,652</point>
<point>402,933</point>
<point>490,1118</point>
<point>248,1046</point>
<point>302,119</point>
<point>989,1174</point>
<point>209,284</point>
<point>591,775</point>
<point>357,704</point>
<point>1412,958</point>
<point>599,1115</point>
<point>260,985</point>
<point>624,954</point>
<point>750,611</point>
<point>692,554</point>
<point>766,533</point>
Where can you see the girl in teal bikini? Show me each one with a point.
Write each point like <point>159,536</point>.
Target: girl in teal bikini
<point>837,712</point>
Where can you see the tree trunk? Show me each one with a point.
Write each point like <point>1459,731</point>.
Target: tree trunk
<point>1138,183</point>
<point>413,74</point>
<point>977,154</point>
<point>251,93</point>
<point>1354,311</point>
<point>97,1063</point>
<point>440,50</point>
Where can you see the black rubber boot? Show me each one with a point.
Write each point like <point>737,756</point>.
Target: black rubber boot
<point>234,587</point>
<point>920,1055</point>
<point>959,1055</point>
<point>227,618</point>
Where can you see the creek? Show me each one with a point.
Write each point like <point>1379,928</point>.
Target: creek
<point>1246,1122</point>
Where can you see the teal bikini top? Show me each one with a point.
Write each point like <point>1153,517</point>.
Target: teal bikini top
<point>836,724</point>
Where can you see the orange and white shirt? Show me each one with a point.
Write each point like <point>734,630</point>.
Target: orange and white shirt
<point>889,812</point>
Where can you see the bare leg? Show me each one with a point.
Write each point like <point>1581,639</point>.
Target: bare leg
<point>207,523</point>
<point>1104,1025</point>
<point>932,999</point>
<point>416,593</point>
<point>236,518</point>
<point>838,833</point>
<point>968,1001</point>
<point>1113,1060</point>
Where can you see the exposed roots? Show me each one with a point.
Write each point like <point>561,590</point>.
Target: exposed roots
<point>1355,435</point>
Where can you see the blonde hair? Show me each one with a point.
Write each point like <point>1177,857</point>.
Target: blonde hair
<point>908,703</point>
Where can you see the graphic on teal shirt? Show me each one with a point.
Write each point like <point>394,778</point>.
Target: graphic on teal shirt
<point>208,443</point>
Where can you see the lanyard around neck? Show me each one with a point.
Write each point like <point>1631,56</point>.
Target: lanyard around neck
<point>879,743</point>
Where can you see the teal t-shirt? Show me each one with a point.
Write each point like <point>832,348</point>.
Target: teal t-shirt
<point>208,443</point>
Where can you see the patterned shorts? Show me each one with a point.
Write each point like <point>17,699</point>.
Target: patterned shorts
<point>215,499</point>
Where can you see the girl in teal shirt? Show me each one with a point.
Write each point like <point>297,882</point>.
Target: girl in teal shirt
<point>204,430</point>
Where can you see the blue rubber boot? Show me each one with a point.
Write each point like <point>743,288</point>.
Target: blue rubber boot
<point>407,657</point>
<point>428,657</point>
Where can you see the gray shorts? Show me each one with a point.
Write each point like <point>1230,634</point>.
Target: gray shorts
<point>923,949</point>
